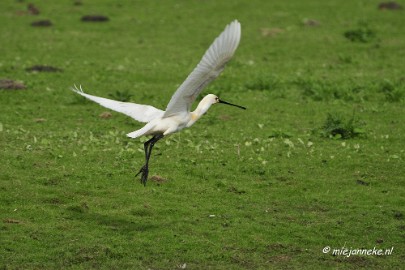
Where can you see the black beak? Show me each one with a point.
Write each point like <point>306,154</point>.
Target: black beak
<point>227,103</point>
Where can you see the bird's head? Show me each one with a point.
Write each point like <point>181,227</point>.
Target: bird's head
<point>213,99</point>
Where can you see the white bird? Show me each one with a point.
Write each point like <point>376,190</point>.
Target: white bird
<point>177,114</point>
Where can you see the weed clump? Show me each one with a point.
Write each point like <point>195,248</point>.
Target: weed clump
<point>123,96</point>
<point>337,127</point>
<point>278,133</point>
<point>393,92</point>
<point>323,90</point>
<point>82,208</point>
<point>263,83</point>
<point>316,90</point>
<point>362,34</point>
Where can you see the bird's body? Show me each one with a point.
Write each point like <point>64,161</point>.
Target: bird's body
<point>177,115</point>
<point>165,126</point>
<point>176,122</point>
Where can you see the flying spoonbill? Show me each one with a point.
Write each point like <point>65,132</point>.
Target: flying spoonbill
<point>177,114</point>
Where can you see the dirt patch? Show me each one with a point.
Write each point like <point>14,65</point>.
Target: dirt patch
<point>225,117</point>
<point>158,179</point>
<point>235,190</point>
<point>276,247</point>
<point>398,215</point>
<point>41,23</point>
<point>39,120</point>
<point>271,32</point>
<point>357,261</point>
<point>105,115</point>
<point>33,10</point>
<point>11,85</point>
<point>41,68</point>
<point>311,22</point>
<point>12,221</point>
<point>389,6</point>
<point>363,183</point>
<point>95,18</point>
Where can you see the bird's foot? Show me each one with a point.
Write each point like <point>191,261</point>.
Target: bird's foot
<point>145,171</point>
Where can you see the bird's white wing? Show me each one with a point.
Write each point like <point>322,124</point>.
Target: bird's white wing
<point>141,113</point>
<point>210,66</point>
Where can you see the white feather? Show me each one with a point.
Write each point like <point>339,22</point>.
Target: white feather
<point>140,132</point>
<point>210,66</point>
<point>141,113</point>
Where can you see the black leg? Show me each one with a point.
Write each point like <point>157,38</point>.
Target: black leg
<point>148,151</point>
<point>144,168</point>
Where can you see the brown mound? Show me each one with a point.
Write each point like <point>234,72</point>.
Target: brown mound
<point>40,68</point>
<point>95,18</point>
<point>311,22</point>
<point>361,182</point>
<point>33,10</point>
<point>105,115</point>
<point>158,179</point>
<point>11,85</point>
<point>41,23</point>
<point>389,6</point>
<point>271,32</point>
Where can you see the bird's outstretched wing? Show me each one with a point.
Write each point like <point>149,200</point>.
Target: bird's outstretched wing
<point>141,113</point>
<point>210,66</point>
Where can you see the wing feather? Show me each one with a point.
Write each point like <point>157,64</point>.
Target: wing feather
<point>210,66</point>
<point>141,113</point>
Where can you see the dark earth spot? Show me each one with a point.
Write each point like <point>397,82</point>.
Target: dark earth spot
<point>361,182</point>
<point>42,23</point>
<point>41,68</point>
<point>389,6</point>
<point>95,18</point>
<point>398,215</point>
<point>33,10</point>
<point>235,190</point>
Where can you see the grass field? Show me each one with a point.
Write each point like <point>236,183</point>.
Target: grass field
<point>316,161</point>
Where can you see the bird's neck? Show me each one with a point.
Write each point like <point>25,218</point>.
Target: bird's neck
<point>201,109</point>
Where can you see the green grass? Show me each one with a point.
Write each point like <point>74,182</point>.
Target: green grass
<point>255,189</point>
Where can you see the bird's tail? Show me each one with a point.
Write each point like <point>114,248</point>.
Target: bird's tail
<point>142,131</point>
<point>78,90</point>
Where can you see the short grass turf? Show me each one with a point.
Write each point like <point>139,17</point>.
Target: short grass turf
<point>265,188</point>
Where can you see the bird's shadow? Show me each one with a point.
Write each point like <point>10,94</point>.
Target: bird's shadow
<point>120,224</point>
